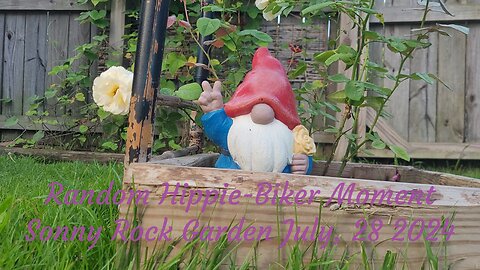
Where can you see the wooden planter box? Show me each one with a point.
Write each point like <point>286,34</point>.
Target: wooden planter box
<point>455,198</point>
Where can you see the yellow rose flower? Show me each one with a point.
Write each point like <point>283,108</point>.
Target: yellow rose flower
<point>112,90</point>
<point>303,143</point>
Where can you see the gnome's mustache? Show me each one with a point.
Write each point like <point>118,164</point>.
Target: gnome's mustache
<point>261,148</point>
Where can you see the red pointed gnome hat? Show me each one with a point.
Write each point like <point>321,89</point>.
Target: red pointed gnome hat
<point>267,83</point>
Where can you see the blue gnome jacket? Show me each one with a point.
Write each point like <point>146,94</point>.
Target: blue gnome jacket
<point>216,125</point>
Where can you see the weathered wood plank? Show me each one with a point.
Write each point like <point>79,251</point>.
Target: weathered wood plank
<point>2,36</point>
<point>423,96</point>
<point>47,5</point>
<point>57,52</point>
<point>473,85</point>
<point>447,200</point>
<point>382,172</point>
<point>397,106</point>
<point>35,58</point>
<point>451,103</point>
<point>13,57</point>
<point>396,15</point>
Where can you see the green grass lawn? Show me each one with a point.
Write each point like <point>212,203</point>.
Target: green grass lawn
<point>23,190</point>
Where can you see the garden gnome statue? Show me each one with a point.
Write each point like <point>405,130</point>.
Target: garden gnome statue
<point>259,128</point>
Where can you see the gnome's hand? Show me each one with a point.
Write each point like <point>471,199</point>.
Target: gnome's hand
<point>211,98</point>
<point>299,164</point>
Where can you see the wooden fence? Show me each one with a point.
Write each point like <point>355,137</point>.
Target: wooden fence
<point>34,37</point>
<point>429,120</point>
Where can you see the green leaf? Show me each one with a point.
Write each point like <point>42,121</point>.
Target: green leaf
<point>299,70</point>
<point>422,76</point>
<point>98,14</point>
<point>354,90</point>
<point>378,144</point>
<point>38,136</point>
<point>376,67</point>
<point>332,59</point>
<point>374,102</point>
<point>175,61</point>
<point>82,139</point>
<point>413,43</point>
<point>57,69</point>
<point>317,7</point>
<point>102,114</point>
<point>82,129</point>
<point>80,97</point>
<point>400,152</point>
<point>370,35</point>
<point>12,121</point>
<point>189,91</point>
<point>380,17</point>
<point>110,146</point>
<point>381,90</point>
<point>257,34</point>
<point>338,97</point>
<point>338,78</point>
<point>322,57</point>
<point>396,45</point>
<point>252,11</point>
<point>96,2</point>
<point>207,26</point>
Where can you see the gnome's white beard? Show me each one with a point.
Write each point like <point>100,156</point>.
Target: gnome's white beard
<point>260,148</point>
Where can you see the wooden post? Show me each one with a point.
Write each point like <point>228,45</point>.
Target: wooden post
<point>348,35</point>
<point>148,65</point>
<point>117,29</point>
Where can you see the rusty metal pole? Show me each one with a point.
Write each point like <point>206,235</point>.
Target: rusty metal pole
<point>148,65</point>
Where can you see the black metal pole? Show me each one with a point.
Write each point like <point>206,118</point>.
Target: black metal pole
<point>160,31</point>
<point>202,73</point>
<point>150,45</point>
<point>144,43</point>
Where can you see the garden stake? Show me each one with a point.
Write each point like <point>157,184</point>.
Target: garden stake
<point>148,63</point>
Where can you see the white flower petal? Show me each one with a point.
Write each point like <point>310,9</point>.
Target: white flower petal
<point>261,4</point>
<point>269,16</point>
<point>113,89</point>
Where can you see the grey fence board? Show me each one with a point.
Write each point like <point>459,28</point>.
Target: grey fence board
<point>35,58</point>
<point>472,99</point>
<point>13,55</point>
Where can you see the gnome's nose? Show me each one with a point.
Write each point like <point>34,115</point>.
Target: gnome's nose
<point>262,114</point>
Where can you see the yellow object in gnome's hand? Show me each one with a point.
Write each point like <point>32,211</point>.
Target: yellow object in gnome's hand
<point>303,143</point>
